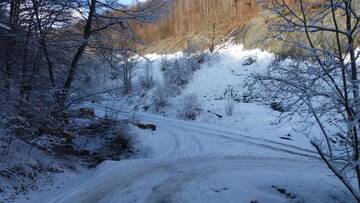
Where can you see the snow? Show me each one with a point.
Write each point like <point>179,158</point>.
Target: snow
<point>4,26</point>
<point>223,71</point>
<point>217,75</point>
<point>239,158</point>
<point>191,162</point>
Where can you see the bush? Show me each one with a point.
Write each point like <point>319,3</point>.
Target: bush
<point>164,64</point>
<point>160,100</point>
<point>189,107</point>
<point>147,81</point>
<point>194,55</point>
<point>193,63</point>
<point>177,73</point>
<point>176,76</point>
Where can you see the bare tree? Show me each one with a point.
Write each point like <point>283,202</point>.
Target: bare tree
<point>122,65</point>
<point>146,80</point>
<point>104,15</point>
<point>42,45</point>
<point>325,86</point>
<point>46,26</point>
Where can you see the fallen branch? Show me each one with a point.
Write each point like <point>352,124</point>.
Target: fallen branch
<point>150,126</point>
<point>218,115</point>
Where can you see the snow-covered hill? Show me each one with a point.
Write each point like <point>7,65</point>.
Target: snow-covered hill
<point>220,83</point>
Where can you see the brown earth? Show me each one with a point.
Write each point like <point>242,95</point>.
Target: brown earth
<point>207,22</point>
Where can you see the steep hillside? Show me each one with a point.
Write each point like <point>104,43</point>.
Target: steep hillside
<point>204,22</point>
<point>208,22</point>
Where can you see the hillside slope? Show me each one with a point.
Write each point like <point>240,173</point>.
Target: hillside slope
<point>206,23</point>
<point>203,22</point>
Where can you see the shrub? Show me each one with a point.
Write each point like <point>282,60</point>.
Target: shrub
<point>194,56</point>
<point>160,100</point>
<point>193,63</point>
<point>164,64</point>
<point>189,107</point>
<point>178,73</point>
<point>146,80</point>
<point>175,77</point>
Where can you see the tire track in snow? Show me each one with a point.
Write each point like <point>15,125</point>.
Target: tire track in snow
<point>186,143</point>
<point>175,148</point>
<point>165,179</point>
<point>200,147</point>
<point>215,131</point>
<point>206,130</point>
<point>280,147</point>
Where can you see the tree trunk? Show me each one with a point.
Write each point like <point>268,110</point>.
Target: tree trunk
<point>62,95</point>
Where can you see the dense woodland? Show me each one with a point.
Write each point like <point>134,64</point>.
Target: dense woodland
<point>192,16</point>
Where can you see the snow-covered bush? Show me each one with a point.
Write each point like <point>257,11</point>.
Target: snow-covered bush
<point>193,62</point>
<point>255,91</point>
<point>178,73</point>
<point>122,67</point>
<point>189,107</point>
<point>195,56</point>
<point>176,76</point>
<point>160,98</point>
<point>146,80</point>
<point>126,71</point>
<point>164,64</point>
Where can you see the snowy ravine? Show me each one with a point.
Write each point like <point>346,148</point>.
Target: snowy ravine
<point>238,158</point>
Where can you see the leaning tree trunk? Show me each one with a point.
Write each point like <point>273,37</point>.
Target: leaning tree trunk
<point>62,95</point>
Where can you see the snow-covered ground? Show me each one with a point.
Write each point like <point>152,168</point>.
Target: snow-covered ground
<point>223,71</point>
<point>192,162</point>
<point>239,158</point>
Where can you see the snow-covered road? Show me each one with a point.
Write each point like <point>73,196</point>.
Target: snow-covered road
<point>195,162</point>
<point>206,132</point>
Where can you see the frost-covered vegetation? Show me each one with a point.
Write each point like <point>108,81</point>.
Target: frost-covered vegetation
<point>221,101</point>
<point>232,86</point>
<point>85,117</point>
<point>54,57</point>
